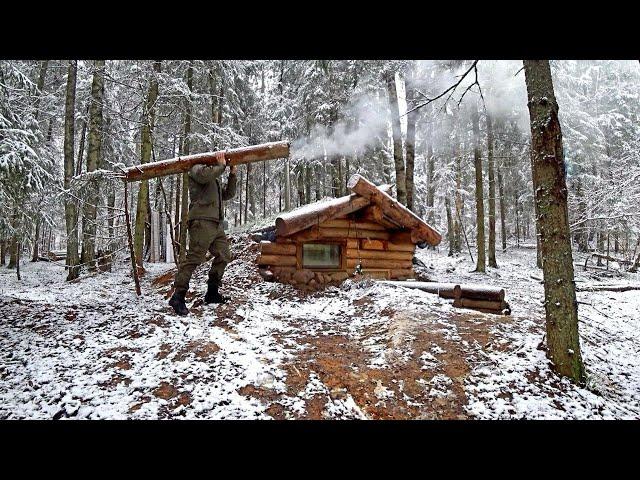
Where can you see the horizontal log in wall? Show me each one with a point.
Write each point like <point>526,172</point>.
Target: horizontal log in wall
<point>271,248</point>
<point>351,225</point>
<point>379,254</point>
<point>377,263</point>
<point>386,245</point>
<point>318,233</point>
<point>278,260</point>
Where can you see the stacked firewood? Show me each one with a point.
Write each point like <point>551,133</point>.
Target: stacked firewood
<point>476,297</point>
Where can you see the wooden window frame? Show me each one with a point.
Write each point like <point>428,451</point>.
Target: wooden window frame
<point>343,255</point>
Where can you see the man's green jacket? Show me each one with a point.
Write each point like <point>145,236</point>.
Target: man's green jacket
<point>206,194</point>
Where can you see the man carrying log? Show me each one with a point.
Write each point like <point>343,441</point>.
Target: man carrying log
<point>206,232</point>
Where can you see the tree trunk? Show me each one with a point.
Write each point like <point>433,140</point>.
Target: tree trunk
<point>177,212</point>
<point>148,118</point>
<point>287,185</point>
<point>307,182</point>
<point>13,243</point>
<point>111,203</point>
<point>477,160</point>
<point>450,231</point>
<point>550,190</point>
<point>537,213</point>
<point>44,64</point>
<point>264,190</point>
<point>184,217</point>
<point>431,167</point>
<point>600,242</point>
<point>70,212</point>
<point>240,186</point>
<point>247,193</point>
<point>503,227</point>
<point>3,251</point>
<point>83,136</point>
<point>36,242</point>
<point>398,157</point>
<point>41,80</point>
<point>492,194</point>
<point>186,150</point>
<point>411,139</point>
<point>458,197</point>
<point>93,162</point>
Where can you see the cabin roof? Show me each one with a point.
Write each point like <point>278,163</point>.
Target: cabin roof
<point>315,213</point>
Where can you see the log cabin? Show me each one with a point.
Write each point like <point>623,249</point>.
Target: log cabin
<point>367,233</point>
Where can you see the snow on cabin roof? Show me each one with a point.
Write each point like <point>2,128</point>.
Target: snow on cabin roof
<point>328,208</point>
<point>317,212</point>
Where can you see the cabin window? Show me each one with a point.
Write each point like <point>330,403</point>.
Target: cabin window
<point>320,255</point>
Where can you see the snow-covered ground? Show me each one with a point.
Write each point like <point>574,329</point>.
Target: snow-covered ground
<point>91,349</point>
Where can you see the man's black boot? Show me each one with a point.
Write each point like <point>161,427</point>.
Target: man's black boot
<point>213,296</point>
<point>178,303</point>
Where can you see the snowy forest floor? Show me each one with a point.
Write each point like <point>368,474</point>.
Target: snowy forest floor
<point>91,349</point>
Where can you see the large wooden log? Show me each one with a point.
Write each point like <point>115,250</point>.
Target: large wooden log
<point>353,242</point>
<point>420,230</point>
<point>318,212</point>
<point>481,292</point>
<point>621,261</point>
<point>371,244</point>
<point>277,260</point>
<point>608,288</point>
<point>401,247</point>
<point>317,233</point>
<point>235,156</point>
<point>272,248</point>
<point>379,254</point>
<point>445,290</point>
<point>483,305</point>
<point>374,213</point>
<point>351,224</point>
<point>378,263</point>
<point>452,290</point>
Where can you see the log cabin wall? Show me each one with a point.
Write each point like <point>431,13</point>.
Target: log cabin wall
<point>382,252</point>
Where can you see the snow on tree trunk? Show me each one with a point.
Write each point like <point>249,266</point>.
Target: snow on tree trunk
<point>492,194</point>
<point>94,151</point>
<point>398,157</point>
<point>148,117</point>
<point>550,190</point>
<point>70,210</point>
<point>477,161</point>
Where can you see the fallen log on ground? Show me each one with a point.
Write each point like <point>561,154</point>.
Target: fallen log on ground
<point>621,261</point>
<point>234,156</point>
<point>608,288</point>
<point>481,292</point>
<point>444,290</point>
<point>477,297</point>
<point>453,290</point>
<point>483,305</point>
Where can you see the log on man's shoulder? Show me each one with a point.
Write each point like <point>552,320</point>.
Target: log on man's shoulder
<point>235,156</point>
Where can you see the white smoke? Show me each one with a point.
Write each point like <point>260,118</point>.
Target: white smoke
<point>364,121</point>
